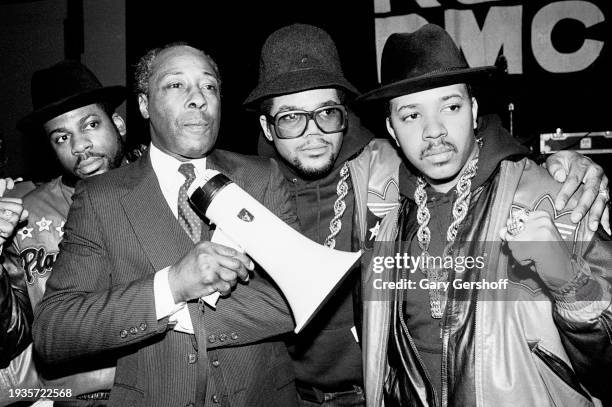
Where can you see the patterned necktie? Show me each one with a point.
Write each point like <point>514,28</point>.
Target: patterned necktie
<point>188,219</point>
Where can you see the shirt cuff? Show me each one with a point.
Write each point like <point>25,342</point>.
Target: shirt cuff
<point>165,306</point>
<point>164,301</point>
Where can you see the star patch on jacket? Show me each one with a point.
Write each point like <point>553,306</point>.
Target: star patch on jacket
<point>372,228</point>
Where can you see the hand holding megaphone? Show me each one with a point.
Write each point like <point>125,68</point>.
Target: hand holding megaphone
<point>305,271</point>
<point>207,268</point>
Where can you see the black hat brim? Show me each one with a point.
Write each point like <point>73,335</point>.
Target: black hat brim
<point>111,96</point>
<point>298,81</point>
<point>425,82</point>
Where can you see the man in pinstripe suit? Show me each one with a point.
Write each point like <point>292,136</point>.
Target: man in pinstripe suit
<point>134,257</point>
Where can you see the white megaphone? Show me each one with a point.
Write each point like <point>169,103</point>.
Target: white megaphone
<point>305,271</point>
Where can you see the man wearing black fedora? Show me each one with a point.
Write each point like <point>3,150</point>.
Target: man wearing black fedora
<point>344,182</point>
<point>526,321</point>
<point>75,114</point>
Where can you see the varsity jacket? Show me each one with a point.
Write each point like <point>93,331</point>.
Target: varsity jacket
<point>518,346</point>
<point>33,252</point>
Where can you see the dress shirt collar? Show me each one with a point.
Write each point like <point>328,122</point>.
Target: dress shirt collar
<point>170,179</point>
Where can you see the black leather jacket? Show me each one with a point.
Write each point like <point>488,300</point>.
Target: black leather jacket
<point>587,344</point>
<point>15,318</point>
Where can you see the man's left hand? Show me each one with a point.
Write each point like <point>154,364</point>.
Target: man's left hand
<point>534,241</point>
<point>574,169</point>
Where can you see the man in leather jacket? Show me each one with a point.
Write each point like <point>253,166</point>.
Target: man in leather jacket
<point>15,310</point>
<point>300,74</point>
<point>527,320</point>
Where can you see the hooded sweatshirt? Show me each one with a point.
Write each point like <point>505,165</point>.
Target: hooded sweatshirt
<point>326,354</point>
<point>425,330</point>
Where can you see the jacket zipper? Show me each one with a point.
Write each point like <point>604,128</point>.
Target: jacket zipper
<point>413,345</point>
<point>445,337</point>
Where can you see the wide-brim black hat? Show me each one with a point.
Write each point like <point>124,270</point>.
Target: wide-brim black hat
<point>63,87</point>
<point>425,59</point>
<point>297,58</point>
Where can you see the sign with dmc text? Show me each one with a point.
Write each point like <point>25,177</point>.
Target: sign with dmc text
<point>556,53</point>
<point>484,29</point>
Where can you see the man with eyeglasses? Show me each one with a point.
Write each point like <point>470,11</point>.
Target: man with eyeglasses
<point>307,128</point>
<point>336,167</point>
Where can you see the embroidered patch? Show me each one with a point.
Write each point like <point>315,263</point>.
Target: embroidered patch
<point>60,229</point>
<point>25,233</point>
<point>372,229</point>
<point>524,276</point>
<point>36,262</point>
<point>567,229</point>
<point>382,201</point>
<point>44,224</point>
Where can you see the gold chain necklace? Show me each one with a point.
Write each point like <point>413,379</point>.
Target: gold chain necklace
<point>460,208</point>
<point>339,207</point>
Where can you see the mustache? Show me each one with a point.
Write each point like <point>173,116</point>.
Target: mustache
<point>311,143</point>
<point>85,156</point>
<point>437,148</point>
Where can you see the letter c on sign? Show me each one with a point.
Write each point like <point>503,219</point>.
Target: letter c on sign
<point>541,29</point>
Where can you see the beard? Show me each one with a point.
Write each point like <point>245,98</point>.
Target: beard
<point>117,159</point>
<point>114,159</point>
<point>312,173</point>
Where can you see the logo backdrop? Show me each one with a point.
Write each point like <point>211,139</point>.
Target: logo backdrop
<point>556,54</point>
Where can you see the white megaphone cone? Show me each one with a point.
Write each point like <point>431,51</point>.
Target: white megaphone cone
<point>305,271</point>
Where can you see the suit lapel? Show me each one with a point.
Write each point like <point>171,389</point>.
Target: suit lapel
<point>158,231</point>
<point>162,238</point>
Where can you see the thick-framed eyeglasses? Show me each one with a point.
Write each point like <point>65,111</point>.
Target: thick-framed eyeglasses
<point>293,123</point>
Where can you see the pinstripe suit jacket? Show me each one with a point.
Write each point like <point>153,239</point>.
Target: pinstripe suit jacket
<point>99,300</point>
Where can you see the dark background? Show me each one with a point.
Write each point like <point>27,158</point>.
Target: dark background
<point>110,35</point>
<point>233,34</point>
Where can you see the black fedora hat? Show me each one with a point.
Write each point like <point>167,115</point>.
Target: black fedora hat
<point>425,59</point>
<point>296,58</point>
<point>63,87</point>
